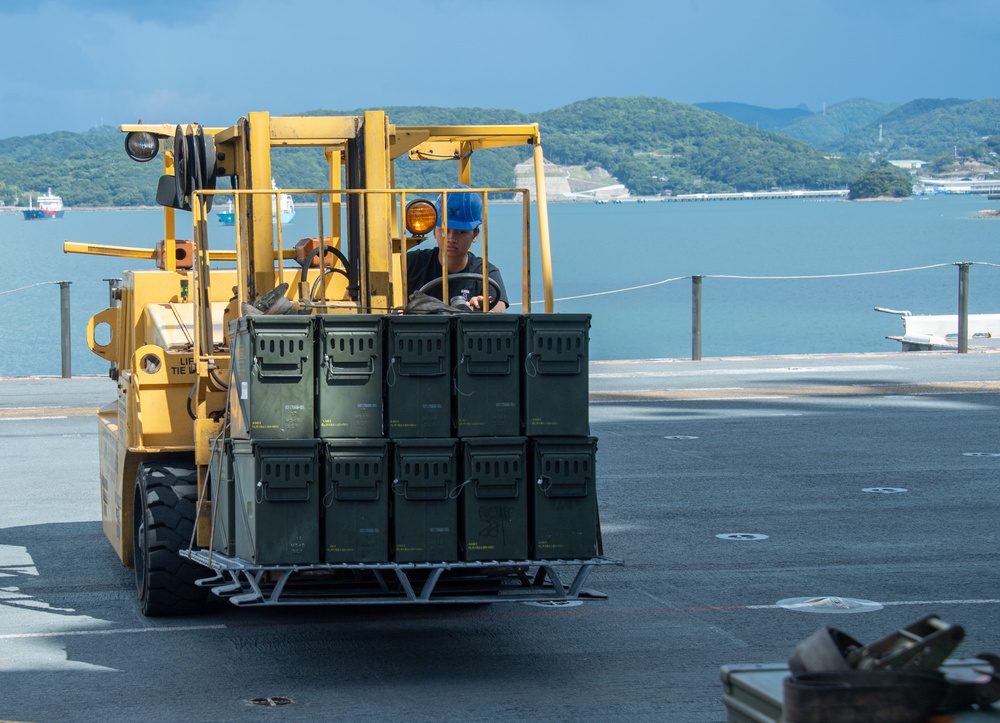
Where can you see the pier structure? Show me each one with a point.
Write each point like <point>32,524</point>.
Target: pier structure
<point>757,195</point>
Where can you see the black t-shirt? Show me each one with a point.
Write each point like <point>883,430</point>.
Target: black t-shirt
<point>422,265</point>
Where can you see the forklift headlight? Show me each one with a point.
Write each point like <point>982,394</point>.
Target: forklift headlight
<point>141,146</point>
<point>420,217</point>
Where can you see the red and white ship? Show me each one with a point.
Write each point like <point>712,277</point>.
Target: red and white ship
<point>49,206</point>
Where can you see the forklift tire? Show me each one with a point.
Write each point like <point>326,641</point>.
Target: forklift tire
<point>166,497</point>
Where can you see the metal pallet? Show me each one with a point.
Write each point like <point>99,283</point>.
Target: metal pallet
<point>386,583</point>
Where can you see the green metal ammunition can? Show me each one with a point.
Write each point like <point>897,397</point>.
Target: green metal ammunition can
<point>277,511</point>
<point>356,500</point>
<point>424,509</point>
<point>493,501</point>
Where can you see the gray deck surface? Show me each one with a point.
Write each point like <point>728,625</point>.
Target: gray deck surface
<point>781,446</point>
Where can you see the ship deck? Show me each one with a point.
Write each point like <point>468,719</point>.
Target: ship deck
<point>727,486</point>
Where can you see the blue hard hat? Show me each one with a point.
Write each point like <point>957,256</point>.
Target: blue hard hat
<point>465,210</point>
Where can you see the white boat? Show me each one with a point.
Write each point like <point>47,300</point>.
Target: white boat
<point>228,217</point>
<point>939,332</point>
<point>287,205</point>
<point>49,206</point>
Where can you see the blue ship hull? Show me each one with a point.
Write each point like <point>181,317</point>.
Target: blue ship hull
<point>35,213</point>
<point>228,218</point>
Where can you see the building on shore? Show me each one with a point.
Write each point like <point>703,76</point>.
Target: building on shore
<point>571,183</point>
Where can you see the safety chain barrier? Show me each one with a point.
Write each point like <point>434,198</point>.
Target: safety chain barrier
<point>696,282</point>
<point>64,326</point>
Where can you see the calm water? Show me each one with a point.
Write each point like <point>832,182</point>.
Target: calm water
<point>600,248</point>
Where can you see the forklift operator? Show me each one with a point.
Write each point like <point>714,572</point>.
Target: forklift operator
<point>465,216</point>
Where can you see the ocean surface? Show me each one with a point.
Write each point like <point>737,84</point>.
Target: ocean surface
<point>601,253</point>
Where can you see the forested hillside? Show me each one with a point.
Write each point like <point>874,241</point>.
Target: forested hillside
<point>86,169</point>
<point>649,144</point>
<point>652,145</point>
<point>825,129</point>
<point>926,129</point>
<point>766,119</point>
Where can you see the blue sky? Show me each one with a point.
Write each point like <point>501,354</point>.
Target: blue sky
<point>71,65</point>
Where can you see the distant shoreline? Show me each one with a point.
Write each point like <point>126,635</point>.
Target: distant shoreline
<point>986,213</point>
<point>75,209</point>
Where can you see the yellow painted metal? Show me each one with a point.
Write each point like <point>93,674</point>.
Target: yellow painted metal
<point>405,139</point>
<point>481,136</point>
<point>376,268</point>
<point>401,291</point>
<point>437,150</point>
<point>206,432</point>
<point>335,161</point>
<point>543,227</point>
<point>465,164</point>
<point>129,252</point>
<point>458,142</point>
<point>161,382</point>
<point>525,252</point>
<point>258,177</point>
<point>326,130</point>
<point>108,317</point>
<point>163,130</point>
<point>151,367</point>
<point>229,137</point>
<point>203,324</point>
<point>124,252</point>
<point>445,293</point>
<point>111,446</point>
<point>311,130</point>
<point>484,240</point>
<point>169,221</point>
<point>118,470</point>
<point>151,415</point>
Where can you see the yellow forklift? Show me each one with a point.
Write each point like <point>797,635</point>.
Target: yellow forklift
<point>293,425</point>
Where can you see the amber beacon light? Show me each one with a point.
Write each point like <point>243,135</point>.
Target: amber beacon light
<point>420,217</point>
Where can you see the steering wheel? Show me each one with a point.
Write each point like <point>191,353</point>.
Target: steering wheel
<point>493,285</point>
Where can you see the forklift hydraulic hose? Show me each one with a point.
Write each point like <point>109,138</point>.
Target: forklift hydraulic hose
<point>336,252</point>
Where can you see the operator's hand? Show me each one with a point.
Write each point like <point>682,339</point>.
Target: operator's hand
<point>476,302</point>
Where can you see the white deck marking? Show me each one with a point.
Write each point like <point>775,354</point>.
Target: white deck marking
<point>702,372</point>
<point>582,609</point>
<point>112,631</point>
<point>27,419</point>
<point>896,603</point>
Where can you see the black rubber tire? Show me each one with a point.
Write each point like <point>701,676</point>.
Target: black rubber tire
<point>166,498</point>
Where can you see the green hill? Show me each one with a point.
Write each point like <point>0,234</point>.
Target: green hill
<point>767,119</point>
<point>86,169</point>
<point>823,130</point>
<point>650,144</point>
<point>653,144</point>
<point>925,129</point>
